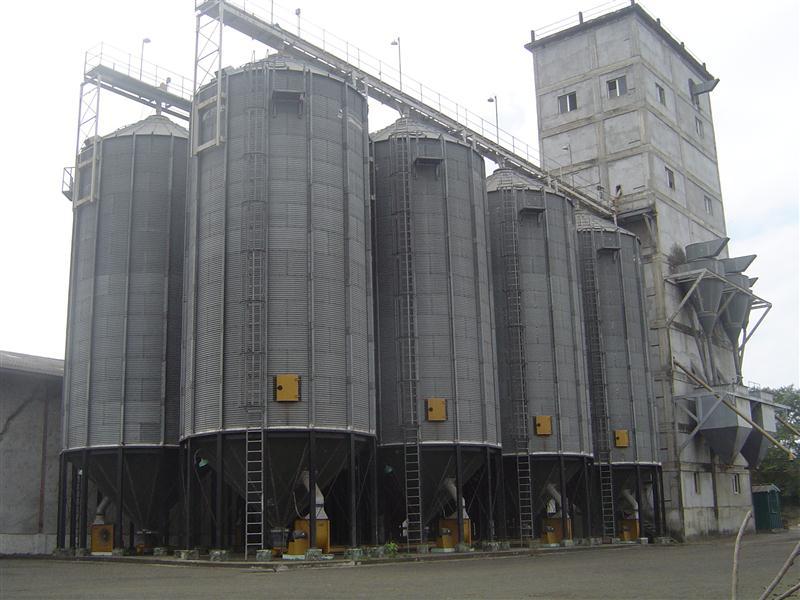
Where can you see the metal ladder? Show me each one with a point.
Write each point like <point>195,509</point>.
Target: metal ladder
<point>406,305</point>
<point>597,385</point>
<point>254,305</point>
<point>516,361</point>
<point>254,492</point>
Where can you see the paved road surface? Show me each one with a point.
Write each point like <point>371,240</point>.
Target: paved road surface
<point>698,570</point>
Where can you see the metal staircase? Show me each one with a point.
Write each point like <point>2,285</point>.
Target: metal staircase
<point>517,360</point>
<point>597,385</point>
<point>400,148</point>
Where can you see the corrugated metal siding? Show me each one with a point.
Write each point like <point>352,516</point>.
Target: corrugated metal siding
<point>620,310</point>
<point>127,296</point>
<point>554,357</point>
<point>302,151</point>
<point>442,337</point>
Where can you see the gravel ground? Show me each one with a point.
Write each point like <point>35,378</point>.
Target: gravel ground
<point>696,570</point>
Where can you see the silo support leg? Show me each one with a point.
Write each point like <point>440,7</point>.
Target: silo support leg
<point>118,543</point>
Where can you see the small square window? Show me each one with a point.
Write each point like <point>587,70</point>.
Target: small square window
<point>670,178</point>
<point>697,482</point>
<point>695,97</point>
<point>567,102</point>
<point>709,204</point>
<point>662,95</point>
<point>617,87</point>
<point>698,127</point>
<point>736,484</point>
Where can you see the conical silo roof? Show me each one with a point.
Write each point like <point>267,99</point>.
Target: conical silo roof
<point>414,128</point>
<point>152,125</point>
<point>586,221</point>
<point>504,178</point>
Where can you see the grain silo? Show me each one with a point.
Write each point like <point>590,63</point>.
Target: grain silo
<point>541,363</point>
<point>278,400</point>
<point>122,377</point>
<point>628,469</point>
<point>437,382</point>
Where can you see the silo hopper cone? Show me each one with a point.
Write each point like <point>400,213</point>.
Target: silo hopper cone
<point>724,430</point>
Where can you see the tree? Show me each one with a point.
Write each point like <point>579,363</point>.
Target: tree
<point>776,467</point>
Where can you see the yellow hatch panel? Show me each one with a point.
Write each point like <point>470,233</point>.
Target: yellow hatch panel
<point>436,409</point>
<point>543,425</point>
<point>621,438</point>
<point>287,387</point>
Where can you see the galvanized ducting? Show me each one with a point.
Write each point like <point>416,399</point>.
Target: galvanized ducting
<point>622,399</point>
<point>123,349</point>
<point>278,270</point>
<point>537,304</point>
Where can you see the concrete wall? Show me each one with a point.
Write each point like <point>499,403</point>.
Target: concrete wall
<point>629,141</point>
<point>30,442</point>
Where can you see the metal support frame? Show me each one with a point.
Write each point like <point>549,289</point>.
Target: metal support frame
<point>722,399</point>
<point>228,13</point>
<point>88,123</point>
<point>61,523</point>
<point>207,68</point>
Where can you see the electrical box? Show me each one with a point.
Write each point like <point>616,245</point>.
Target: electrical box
<point>436,409</point>
<point>287,387</point>
<point>543,425</point>
<point>621,438</point>
<point>102,539</point>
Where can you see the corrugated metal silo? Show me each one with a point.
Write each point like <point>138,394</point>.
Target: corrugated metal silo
<point>437,386</point>
<point>541,363</point>
<point>278,287</point>
<point>122,377</point>
<point>622,399</point>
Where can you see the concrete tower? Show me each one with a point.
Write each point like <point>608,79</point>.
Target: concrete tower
<point>624,109</point>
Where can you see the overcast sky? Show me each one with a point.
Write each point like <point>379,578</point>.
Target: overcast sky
<point>467,51</point>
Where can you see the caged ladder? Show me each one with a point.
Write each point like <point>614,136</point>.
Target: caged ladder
<point>516,360</point>
<point>254,266</point>
<point>406,307</point>
<point>597,384</point>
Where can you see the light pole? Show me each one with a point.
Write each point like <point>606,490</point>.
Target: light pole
<point>568,147</point>
<point>493,100</point>
<point>396,42</point>
<point>141,56</point>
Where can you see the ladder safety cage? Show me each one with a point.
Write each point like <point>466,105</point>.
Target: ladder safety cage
<point>517,359</point>
<point>405,302</point>
<point>597,383</point>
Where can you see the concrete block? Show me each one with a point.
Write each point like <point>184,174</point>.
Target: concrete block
<point>424,549</point>
<point>120,552</point>
<point>218,554</point>
<point>505,545</point>
<point>534,544</point>
<point>264,555</point>
<point>354,554</point>
<point>314,554</point>
<point>162,551</point>
<point>567,543</point>
<point>375,552</point>
<point>81,552</point>
<point>643,540</point>
<point>662,540</point>
<point>491,546</point>
<point>461,547</point>
<point>188,554</point>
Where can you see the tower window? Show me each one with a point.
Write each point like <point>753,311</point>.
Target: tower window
<point>662,95</point>
<point>698,127</point>
<point>709,204</point>
<point>670,178</point>
<point>695,97</point>
<point>697,482</point>
<point>736,484</point>
<point>617,87</point>
<point>567,102</point>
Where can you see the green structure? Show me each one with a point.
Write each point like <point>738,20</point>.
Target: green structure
<point>767,507</point>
